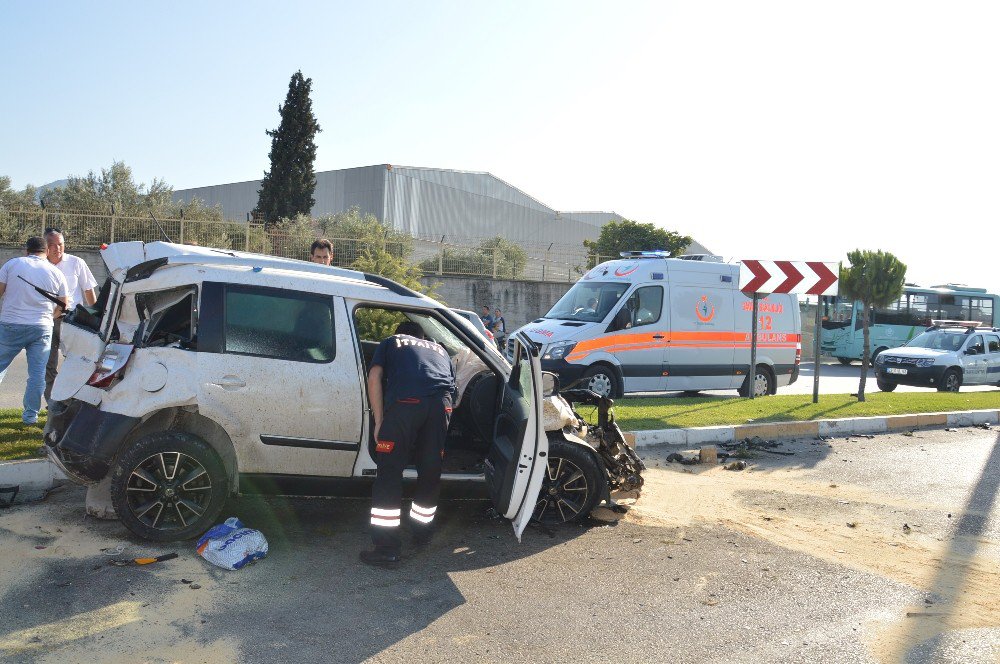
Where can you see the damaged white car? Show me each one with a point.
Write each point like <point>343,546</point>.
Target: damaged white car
<point>201,373</point>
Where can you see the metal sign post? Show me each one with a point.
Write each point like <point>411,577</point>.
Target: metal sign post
<point>752,376</point>
<point>817,329</point>
<point>760,277</point>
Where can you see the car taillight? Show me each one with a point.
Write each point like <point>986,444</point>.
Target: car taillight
<point>798,354</point>
<point>111,366</point>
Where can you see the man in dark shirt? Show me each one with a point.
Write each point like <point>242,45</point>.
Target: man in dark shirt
<point>411,386</point>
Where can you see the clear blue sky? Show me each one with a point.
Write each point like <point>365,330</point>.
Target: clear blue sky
<point>765,129</point>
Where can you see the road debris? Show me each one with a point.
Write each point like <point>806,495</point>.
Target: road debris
<point>746,448</point>
<point>681,459</point>
<point>8,492</point>
<point>143,561</point>
<point>215,545</point>
<point>194,586</point>
<point>736,465</point>
<point>708,454</point>
<point>906,528</point>
<point>985,425</point>
<point>852,524</point>
<point>951,429</point>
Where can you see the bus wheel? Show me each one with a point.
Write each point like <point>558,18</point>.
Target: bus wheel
<point>846,361</point>
<point>763,383</point>
<point>885,386</point>
<point>951,381</point>
<point>601,379</point>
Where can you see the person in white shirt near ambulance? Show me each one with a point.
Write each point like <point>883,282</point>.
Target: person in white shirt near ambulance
<point>651,323</point>
<point>80,282</point>
<point>26,317</point>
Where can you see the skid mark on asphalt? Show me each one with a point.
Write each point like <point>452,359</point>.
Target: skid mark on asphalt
<point>794,510</point>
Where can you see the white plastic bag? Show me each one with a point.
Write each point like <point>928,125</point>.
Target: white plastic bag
<point>232,545</point>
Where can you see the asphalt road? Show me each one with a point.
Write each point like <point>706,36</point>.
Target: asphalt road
<point>834,379</point>
<point>802,558</point>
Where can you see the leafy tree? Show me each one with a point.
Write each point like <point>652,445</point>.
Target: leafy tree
<point>875,278</point>
<point>11,199</point>
<point>628,235</point>
<point>114,186</point>
<point>287,189</point>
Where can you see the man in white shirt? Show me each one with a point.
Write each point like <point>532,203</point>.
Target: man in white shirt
<point>26,317</point>
<point>80,282</point>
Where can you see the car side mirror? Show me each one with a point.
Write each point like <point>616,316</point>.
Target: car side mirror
<point>972,351</point>
<point>550,384</point>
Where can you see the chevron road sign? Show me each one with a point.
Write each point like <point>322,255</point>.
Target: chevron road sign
<point>798,277</point>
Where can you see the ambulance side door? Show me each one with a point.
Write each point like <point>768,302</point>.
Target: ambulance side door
<point>639,331</point>
<point>701,339</point>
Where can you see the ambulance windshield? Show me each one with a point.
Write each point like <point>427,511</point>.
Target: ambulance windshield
<point>588,301</point>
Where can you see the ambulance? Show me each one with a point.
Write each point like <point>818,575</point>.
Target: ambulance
<point>651,323</point>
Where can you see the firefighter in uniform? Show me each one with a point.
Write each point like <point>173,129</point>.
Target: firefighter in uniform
<point>411,386</point>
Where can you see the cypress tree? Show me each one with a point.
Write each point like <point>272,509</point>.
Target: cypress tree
<point>287,189</point>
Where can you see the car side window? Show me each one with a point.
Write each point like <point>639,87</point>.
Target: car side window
<point>993,343</point>
<point>277,323</point>
<point>646,305</point>
<point>976,344</point>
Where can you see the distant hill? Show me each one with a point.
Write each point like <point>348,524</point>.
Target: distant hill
<point>52,185</point>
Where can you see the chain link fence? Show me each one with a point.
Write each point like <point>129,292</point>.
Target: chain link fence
<point>492,258</point>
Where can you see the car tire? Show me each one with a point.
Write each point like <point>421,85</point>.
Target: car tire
<point>886,386</point>
<point>763,382</point>
<point>951,381</point>
<point>602,379</point>
<point>572,486</point>
<point>846,361</point>
<point>146,478</point>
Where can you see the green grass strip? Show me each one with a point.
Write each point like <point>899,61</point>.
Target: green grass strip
<point>681,413</point>
<point>19,440</point>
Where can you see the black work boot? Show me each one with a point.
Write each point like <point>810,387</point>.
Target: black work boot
<point>380,558</point>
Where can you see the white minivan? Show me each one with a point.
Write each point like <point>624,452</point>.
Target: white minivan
<point>650,323</point>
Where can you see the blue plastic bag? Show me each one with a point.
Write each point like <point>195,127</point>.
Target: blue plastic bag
<point>232,545</point>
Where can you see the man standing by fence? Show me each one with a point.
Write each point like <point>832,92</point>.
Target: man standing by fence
<point>80,283</point>
<point>26,318</point>
<point>321,252</point>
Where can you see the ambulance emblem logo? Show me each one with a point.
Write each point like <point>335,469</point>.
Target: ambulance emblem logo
<point>626,270</point>
<point>704,310</point>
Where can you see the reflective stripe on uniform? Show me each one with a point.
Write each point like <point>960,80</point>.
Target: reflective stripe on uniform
<point>387,518</point>
<point>422,514</point>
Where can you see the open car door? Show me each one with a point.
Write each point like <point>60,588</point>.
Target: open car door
<point>516,463</point>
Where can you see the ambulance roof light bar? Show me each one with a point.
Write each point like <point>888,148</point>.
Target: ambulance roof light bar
<point>644,254</point>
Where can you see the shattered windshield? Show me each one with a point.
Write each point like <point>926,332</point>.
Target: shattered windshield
<point>588,301</point>
<point>938,340</point>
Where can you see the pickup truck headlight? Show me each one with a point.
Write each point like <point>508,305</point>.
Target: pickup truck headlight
<point>880,359</point>
<point>558,350</point>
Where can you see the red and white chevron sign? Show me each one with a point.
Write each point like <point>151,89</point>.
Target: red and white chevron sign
<point>799,277</point>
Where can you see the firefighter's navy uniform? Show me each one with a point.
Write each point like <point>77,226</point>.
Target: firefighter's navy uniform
<point>419,387</point>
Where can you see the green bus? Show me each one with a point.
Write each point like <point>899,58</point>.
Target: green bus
<point>843,338</point>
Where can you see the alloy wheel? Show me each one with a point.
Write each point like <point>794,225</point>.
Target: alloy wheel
<point>760,385</point>
<point>601,384</point>
<point>564,492</point>
<point>168,490</point>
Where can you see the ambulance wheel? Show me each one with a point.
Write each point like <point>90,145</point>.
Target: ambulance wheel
<point>169,486</point>
<point>572,485</point>
<point>763,382</point>
<point>846,361</point>
<point>886,386</point>
<point>602,379</point>
<point>951,381</point>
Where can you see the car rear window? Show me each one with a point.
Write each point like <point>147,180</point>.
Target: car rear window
<point>279,324</point>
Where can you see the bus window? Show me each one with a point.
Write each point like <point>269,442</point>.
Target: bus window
<point>954,307</point>
<point>923,308</point>
<point>895,314</point>
<point>981,310</point>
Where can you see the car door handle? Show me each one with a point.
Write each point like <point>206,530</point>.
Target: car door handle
<point>230,382</point>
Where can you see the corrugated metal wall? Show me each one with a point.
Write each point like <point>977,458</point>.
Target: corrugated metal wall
<point>428,203</point>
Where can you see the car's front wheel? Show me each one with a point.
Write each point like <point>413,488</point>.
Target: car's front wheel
<point>572,486</point>
<point>762,384</point>
<point>951,381</point>
<point>886,386</point>
<point>169,486</point>
<point>601,379</point>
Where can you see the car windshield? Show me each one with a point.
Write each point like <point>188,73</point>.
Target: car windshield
<point>939,340</point>
<point>588,301</point>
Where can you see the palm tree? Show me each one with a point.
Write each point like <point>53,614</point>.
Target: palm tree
<point>875,278</point>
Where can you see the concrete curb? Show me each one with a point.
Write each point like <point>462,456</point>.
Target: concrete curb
<point>699,436</point>
<point>34,477</point>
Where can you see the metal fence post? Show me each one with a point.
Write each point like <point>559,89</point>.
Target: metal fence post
<point>112,224</point>
<point>44,222</point>
<point>246,242</point>
<point>495,250</point>
<point>182,227</point>
<point>441,257</point>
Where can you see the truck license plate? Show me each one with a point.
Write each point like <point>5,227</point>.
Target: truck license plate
<point>895,370</point>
